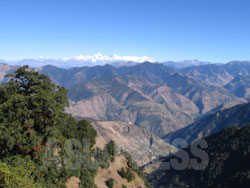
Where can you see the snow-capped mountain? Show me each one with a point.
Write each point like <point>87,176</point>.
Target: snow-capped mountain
<point>82,60</point>
<point>100,57</point>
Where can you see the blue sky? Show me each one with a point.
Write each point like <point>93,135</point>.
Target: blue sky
<point>210,30</point>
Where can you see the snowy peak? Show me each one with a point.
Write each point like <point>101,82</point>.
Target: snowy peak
<point>100,57</point>
<point>82,60</point>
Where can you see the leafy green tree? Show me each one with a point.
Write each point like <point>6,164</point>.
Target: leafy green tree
<point>81,130</point>
<point>31,106</point>
<point>86,131</point>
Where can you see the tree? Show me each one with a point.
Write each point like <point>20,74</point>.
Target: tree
<point>126,174</point>
<point>30,109</point>
<point>81,130</point>
<point>87,132</point>
<point>110,183</point>
<point>129,175</point>
<point>33,125</point>
<point>102,158</point>
<point>110,147</point>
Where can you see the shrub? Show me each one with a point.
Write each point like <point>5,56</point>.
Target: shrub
<point>131,164</point>
<point>126,174</point>
<point>129,175</point>
<point>111,149</point>
<point>122,173</point>
<point>20,176</point>
<point>110,183</point>
<point>134,166</point>
<point>102,158</point>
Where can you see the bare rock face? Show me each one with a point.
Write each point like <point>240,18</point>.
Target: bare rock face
<point>142,146</point>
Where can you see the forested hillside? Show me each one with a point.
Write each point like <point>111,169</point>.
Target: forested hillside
<point>227,165</point>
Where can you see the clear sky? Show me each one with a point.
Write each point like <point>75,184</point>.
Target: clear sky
<point>210,30</point>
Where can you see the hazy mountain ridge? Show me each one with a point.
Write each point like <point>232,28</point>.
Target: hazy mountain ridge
<point>205,96</point>
<point>218,74</point>
<point>98,59</point>
<point>5,69</point>
<point>240,86</point>
<point>213,74</point>
<point>184,64</point>
<point>238,115</point>
<point>237,68</point>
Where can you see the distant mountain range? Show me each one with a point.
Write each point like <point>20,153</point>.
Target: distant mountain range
<point>150,95</point>
<point>153,96</point>
<point>98,59</point>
